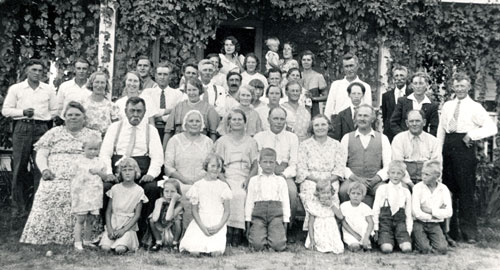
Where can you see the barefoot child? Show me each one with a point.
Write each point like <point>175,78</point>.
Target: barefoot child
<point>431,203</point>
<point>392,211</point>
<point>267,207</point>
<point>210,198</point>
<point>166,220</point>
<point>86,190</point>
<point>124,209</point>
<point>358,223</point>
<point>324,235</point>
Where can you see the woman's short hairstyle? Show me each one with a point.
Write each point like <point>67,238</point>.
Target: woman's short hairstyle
<point>128,161</point>
<point>398,165</point>
<point>254,56</point>
<point>420,74</point>
<point>292,70</point>
<point>307,52</point>
<point>256,83</point>
<point>174,183</point>
<point>218,159</point>
<point>292,45</point>
<point>210,55</point>
<point>135,73</point>
<point>288,84</point>
<point>323,185</point>
<point>194,82</point>
<point>91,80</point>
<point>235,43</point>
<point>75,105</point>
<point>92,138</point>
<point>269,88</point>
<point>234,111</point>
<point>267,152</point>
<point>184,120</point>
<point>357,186</point>
<point>435,164</point>
<point>250,90</point>
<point>349,88</point>
<point>310,128</point>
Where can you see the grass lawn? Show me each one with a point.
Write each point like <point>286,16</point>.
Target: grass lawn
<point>484,255</point>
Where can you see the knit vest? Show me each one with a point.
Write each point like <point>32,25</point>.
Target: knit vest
<point>365,162</point>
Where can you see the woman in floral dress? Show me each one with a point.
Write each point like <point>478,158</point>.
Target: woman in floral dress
<point>50,219</point>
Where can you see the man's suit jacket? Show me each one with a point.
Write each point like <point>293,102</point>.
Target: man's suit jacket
<point>343,124</point>
<point>388,105</point>
<point>399,116</point>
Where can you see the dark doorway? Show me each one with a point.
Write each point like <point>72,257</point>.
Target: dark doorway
<point>244,35</point>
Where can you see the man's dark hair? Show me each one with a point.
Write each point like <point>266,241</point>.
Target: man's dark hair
<point>134,101</point>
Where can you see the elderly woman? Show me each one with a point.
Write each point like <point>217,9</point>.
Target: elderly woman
<point>251,66</point>
<point>297,116</point>
<point>229,57</point>
<point>320,158</point>
<point>313,81</point>
<point>254,123</point>
<point>50,219</point>
<point>133,88</point>
<point>194,89</point>
<point>185,155</point>
<point>274,95</point>
<point>100,112</point>
<point>239,152</point>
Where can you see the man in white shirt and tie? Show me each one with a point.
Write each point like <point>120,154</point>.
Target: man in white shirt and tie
<point>32,104</point>
<point>338,98</point>
<point>164,97</point>
<point>139,140</point>
<point>213,94</point>
<point>74,89</point>
<point>463,122</point>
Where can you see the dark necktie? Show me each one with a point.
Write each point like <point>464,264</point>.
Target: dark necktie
<point>162,100</point>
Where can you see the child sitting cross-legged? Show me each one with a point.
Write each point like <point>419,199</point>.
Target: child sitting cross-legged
<point>166,220</point>
<point>267,207</point>
<point>324,235</point>
<point>124,209</point>
<point>392,211</point>
<point>210,198</point>
<point>431,203</point>
<point>357,226</point>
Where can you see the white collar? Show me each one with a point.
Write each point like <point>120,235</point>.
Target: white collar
<point>425,100</point>
<point>357,133</point>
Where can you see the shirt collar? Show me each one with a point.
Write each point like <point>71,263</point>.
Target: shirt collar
<point>357,133</point>
<point>26,85</point>
<point>396,89</point>
<point>141,125</point>
<point>425,100</point>
<point>355,80</point>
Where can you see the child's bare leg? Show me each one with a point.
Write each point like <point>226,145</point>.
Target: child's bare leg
<point>156,233</point>
<point>177,230</point>
<point>80,223</point>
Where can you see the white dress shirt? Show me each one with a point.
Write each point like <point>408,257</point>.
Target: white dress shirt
<point>473,119</point>
<point>365,140</point>
<point>216,97</point>
<point>151,108</point>
<point>402,147</point>
<point>399,93</point>
<point>267,188</point>
<point>21,96</point>
<point>141,147</point>
<point>439,201</point>
<point>70,91</point>
<point>398,197</point>
<point>172,98</point>
<point>338,98</point>
<point>418,105</point>
<point>286,145</point>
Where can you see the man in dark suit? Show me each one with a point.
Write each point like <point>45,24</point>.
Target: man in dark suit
<point>389,99</point>
<point>343,123</point>
<point>418,100</point>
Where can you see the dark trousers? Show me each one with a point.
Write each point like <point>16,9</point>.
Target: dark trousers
<point>459,175</point>
<point>428,236</point>
<point>392,227</point>
<point>267,226</point>
<point>24,136</point>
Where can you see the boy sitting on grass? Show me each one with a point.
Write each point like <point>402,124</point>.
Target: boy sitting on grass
<point>431,203</point>
<point>392,211</point>
<point>267,207</point>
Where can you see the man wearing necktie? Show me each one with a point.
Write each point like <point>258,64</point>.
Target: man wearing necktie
<point>463,121</point>
<point>345,121</point>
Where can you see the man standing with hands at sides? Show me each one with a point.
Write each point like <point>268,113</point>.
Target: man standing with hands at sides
<point>144,66</point>
<point>212,93</point>
<point>390,98</point>
<point>164,96</point>
<point>338,98</point>
<point>32,104</point>
<point>74,89</point>
<point>463,121</point>
<point>368,155</point>
<point>344,123</point>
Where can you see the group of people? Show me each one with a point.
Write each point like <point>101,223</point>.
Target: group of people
<point>232,155</point>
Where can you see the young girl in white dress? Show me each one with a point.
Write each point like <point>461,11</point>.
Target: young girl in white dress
<point>86,190</point>
<point>210,198</point>
<point>124,209</point>
<point>324,234</point>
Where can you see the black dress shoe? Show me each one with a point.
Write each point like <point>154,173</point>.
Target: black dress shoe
<point>156,247</point>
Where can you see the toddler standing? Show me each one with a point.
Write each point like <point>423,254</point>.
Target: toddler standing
<point>86,190</point>
<point>324,235</point>
<point>210,198</point>
<point>272,56</point>
<point>124,209</point>
<point>358,223</point>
